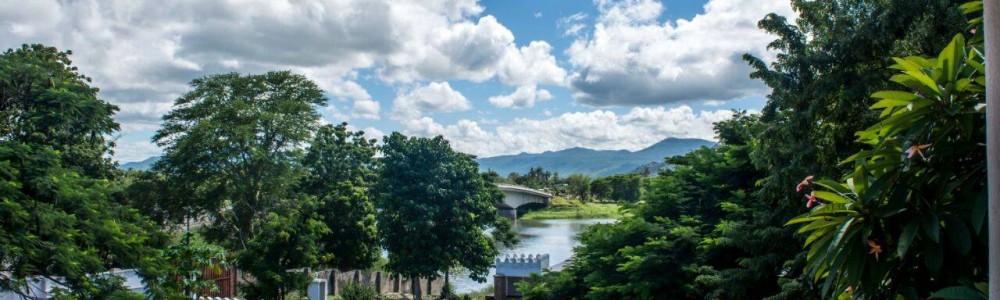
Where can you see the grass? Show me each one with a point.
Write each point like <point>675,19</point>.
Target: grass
<point>562,208</point>
<point>480,294</point>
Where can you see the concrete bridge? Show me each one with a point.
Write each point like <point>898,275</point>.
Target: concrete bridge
<point>515,196</point>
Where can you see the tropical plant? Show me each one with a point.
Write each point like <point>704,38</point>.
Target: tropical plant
<point>909,219</point>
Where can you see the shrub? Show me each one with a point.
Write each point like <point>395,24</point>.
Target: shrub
<point>358,291</point>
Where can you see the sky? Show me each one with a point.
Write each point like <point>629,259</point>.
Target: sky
<point>495,77</point>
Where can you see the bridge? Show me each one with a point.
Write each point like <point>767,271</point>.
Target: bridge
<point>515,196</point>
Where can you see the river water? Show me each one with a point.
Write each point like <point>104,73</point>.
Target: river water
<point>553,237</point>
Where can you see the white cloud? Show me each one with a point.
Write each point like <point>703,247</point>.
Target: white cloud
<point>572,25</point>
<point>433,97</point>
<point>599,129</point>
<point>632,59</point>
<point>366,109</point>
<point>530,65</point>
<point>524,96</point>
<point>142,54</point>
<point>713,103</point>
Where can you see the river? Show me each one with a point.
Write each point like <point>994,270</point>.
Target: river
<point>553,237</point>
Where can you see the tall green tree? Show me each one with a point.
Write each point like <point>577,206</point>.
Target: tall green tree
<point>909,220</point>
<point>820,84</point>
<point>288,239</point>
<point>579,186</point>
<point>238,140</point>
<point>669,246</point>
<point>236,143</point>
<point>58,218</point>
<point>601,189</point>
<point>340,167</point>
<point>433,209</point>
<point>44,100</point>
<point>60,225</point>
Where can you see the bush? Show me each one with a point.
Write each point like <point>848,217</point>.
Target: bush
<point>358,291</point>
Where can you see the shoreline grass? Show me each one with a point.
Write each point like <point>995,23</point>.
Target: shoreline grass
<point>561,208</point>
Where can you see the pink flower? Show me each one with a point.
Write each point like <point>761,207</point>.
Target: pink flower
<point>812,201</point>
<point>917,149</point>
<point>804,182</point>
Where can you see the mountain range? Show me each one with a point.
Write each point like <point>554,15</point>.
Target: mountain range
<point>585,161</point>
<point>592,162</point>
<point>144,165</point>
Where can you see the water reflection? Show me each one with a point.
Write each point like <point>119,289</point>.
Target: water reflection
<point>553,237</point>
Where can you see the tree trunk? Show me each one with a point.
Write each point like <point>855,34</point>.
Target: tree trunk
<point>415,287</point>
<point>446,290</point>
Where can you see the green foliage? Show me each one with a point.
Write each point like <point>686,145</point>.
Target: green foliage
<point>45,101</point>
<point>340,166</point>
<point>560,208</point>
<point>433,208</point>
<point>621,187</point>
<point>235,146</point>
<point>235,142</point>
<point>916,199</point>
<point>154,196</point>
<point>58,224</point>
<point>287,240</point>
<point>358,291</point>
<point>187,260</point>
<point>536,178</point>
<point>672,239</point>
<point>600,189</point>
<point>579,186</point>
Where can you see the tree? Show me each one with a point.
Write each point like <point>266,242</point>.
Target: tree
<point>44,100</point>
<point>625,187</point>
<point>237,141</point>
<point>60,225</point>
<point>288,239</point>
<point>58,219</point>
<point>154,196</point>
<point>340,165</point>
<point>600,188</point>
<point>433,209</point>
<point>820,85</point>
<point>579,186</point>
<point>672,242</point>
<point>909,220</point>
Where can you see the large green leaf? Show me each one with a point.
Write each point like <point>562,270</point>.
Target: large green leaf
<point>958,293</point>
<point>831,197</point>
<point>906,238</point>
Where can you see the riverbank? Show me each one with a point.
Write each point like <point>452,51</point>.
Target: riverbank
<point>562,208</point>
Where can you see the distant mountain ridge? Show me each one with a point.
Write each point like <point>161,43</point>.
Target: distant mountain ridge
<point>144,165</point>
<point>568,161</point>
<point>591,162</point>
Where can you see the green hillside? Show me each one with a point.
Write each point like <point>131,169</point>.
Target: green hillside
<point>592,162</point>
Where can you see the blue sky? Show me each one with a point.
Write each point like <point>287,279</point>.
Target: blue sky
<point>494,77</point>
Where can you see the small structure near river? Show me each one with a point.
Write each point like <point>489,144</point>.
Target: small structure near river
<point>514,269</point>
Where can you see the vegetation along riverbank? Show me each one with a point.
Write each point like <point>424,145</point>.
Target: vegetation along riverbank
<point>562,208</point>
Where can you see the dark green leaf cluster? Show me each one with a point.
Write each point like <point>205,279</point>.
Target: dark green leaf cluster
<point>715,223</point>
<point>58,218</point>
<point>433,208</point>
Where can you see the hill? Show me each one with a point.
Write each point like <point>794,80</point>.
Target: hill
<point>591,162</point>
<point>139,165</point>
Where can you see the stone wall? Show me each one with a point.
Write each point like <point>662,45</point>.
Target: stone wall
<point>384,283</point>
